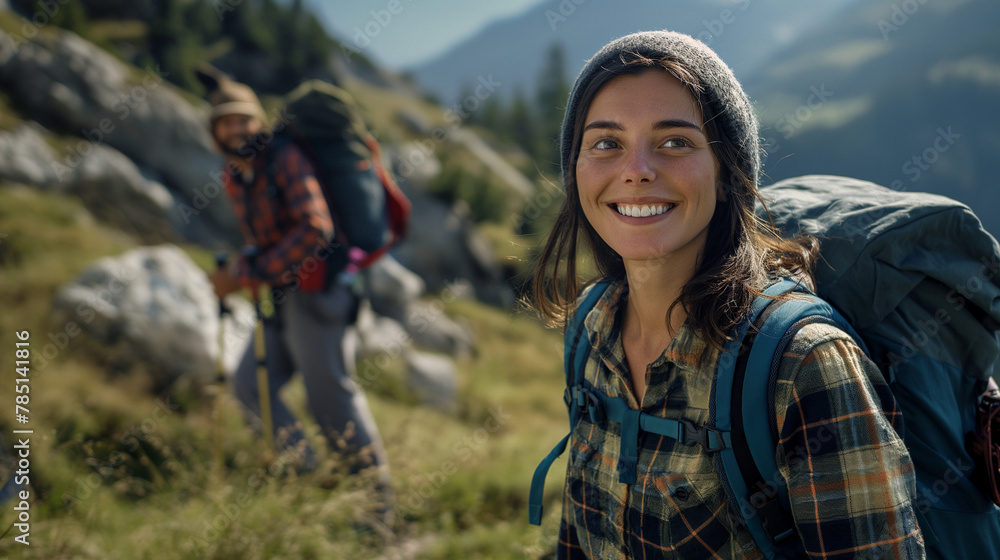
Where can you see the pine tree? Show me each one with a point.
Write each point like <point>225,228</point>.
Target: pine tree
<point>550,102</point>
<point>521,124</point>
<point>171,45</point>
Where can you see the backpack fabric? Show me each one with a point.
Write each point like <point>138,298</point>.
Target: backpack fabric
<point>913,279</point>
<point>919,279</point>
<point>369,210</point>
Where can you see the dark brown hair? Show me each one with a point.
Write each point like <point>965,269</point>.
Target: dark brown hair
<point>740,252</point>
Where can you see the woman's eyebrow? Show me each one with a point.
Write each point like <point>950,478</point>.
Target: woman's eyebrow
<point>676,123</point>
<point>611,125</point>
<point>667,123</point>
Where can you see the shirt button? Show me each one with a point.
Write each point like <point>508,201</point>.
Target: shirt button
<point>682,493</point>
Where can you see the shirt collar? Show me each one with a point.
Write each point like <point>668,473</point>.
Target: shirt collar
<point>687,350</point>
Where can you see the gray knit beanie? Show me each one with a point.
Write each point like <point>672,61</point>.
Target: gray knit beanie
<point>722,91</point>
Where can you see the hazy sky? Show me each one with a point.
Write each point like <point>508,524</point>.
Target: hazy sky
<point>417,31</point>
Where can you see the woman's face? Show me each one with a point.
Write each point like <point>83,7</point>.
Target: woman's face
<point>646,175</point>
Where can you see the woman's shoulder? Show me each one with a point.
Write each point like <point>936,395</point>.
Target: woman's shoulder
<point>595,307</point>
<point>822,357</point>
<point>816,334</point>
<point>593,292</point>
<point>821,342</point>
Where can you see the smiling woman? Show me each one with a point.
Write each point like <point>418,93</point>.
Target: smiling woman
<point>660,159</point>
<point>646,174</point>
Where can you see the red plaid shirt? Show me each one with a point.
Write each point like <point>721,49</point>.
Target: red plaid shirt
<point>286,226</point>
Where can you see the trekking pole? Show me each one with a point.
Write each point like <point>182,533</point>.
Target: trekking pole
<point>220,373</point>
<point>260,353</point>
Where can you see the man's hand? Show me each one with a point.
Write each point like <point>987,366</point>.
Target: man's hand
<point>224,282</point>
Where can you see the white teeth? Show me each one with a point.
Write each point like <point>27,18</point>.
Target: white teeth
<point>636,211</point>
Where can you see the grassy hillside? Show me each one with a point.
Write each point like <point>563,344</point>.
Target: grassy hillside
<point>117,472</point>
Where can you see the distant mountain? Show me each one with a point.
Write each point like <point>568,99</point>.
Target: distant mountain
<point>904,94</point>
<point>900,92</point>
<point>744,32</point>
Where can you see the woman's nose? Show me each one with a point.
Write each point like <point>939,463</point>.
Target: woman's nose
<point>638,167</point>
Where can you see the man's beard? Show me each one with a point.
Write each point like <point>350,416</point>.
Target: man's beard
<point>241,151</point>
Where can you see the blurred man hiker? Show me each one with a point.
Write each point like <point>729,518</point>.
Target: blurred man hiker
<point>285,225</point>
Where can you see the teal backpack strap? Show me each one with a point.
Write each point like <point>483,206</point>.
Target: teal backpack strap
<point>576,351</point>
<point>749,466</point>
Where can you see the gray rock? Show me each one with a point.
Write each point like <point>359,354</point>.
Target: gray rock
<point>443,246</point>
<point>507,173</point>
<point>153,306</point>
<point>433,379</point>
<point>394,292</point>
<point>414,121</point>
<point>111,187</point>
<point>69,84</point>
<point>429,327</point>
<point>114,190</point>
<point>414,164</point>
<point>391,287</point>
<point>26,158</point>
<point>378,336</point>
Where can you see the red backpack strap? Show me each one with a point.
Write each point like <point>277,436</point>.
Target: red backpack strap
<point>397,205</point>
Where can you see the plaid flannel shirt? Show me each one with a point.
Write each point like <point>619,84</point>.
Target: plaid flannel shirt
<point>285,227</point>
<point>850,478</point>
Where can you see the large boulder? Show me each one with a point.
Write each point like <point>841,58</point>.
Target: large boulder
<point>379,341</point>
<point>72,86</point>
<point>153,306</point>
<point>26,158</point>
<point>116,191</point>
<point>433,379</point>
<point>395,293</point>
<point>391,287</point>
<point>108,183</point>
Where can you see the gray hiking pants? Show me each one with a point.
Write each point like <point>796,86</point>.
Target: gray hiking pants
<point>306,335</point>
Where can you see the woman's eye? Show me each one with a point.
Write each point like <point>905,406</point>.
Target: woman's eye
<point>605,144</point>
<point>677,143</point>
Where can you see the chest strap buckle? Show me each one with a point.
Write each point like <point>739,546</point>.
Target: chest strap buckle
<point>694,434</point>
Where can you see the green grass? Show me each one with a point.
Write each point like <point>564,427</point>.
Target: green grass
<point>118,472</point>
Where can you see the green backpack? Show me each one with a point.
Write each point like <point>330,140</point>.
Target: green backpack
<point>916,281</point>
